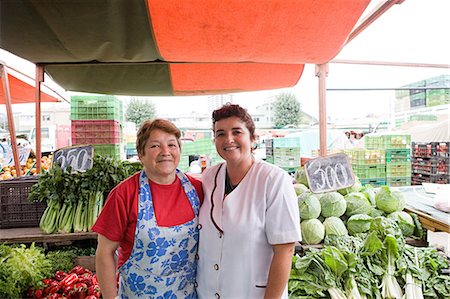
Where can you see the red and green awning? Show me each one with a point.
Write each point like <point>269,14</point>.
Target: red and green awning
<point>173,47</point>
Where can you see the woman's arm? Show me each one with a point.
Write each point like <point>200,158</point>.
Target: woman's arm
<point>105,265</point>
<point>280,269</point>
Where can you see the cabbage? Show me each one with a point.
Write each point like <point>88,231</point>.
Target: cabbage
<point>389,200</point>
<point>309,206</point>
<point>375,213</point>
<point>357,203</point>
<point>355,188</point>
<point>332,204</point>
<point>404,221</point>
<point>300,177</point>
<point>335,226</point>
<point>313,231</point>
<point>359,223</point>
<point>300,188</point>
<point>369,192</point>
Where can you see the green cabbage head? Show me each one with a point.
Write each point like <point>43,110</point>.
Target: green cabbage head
<point>357,203</point>
<point>389,200</point>
<point>369,192</point>
<point>359,223</point>
<point>355,188</point>
<point>332,204</point>
<point>300,188</point>
<point>313,231</point>
<point>335,226</point>
<point>300,176</point>
<point>404,221</point>
<point>309,206</point>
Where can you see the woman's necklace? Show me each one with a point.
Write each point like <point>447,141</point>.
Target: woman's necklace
<point>228,186</point>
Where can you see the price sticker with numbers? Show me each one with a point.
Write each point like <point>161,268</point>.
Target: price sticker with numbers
<point>329,173</point>
<point>78,157</point>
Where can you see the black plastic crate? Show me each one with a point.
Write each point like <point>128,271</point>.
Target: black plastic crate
<point>430,149</point>
<point>15,208</point>
<point>431,166</point>
<point>418,179</point>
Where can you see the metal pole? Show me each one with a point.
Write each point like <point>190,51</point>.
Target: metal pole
<point>322,73</point>
<point>12,130</point>
<point>39,79</point>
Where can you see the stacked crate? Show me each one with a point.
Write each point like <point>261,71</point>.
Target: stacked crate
<point>398,167</point>
<point>284,152</point>
<point>368,165</point>
<point>97,120</point>
<point>436,96</point>
<point>201,147</point>
<point>430,162</point>
<point>397,156</point>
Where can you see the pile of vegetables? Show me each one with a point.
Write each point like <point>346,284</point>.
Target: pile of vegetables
<point>350,211</point>
<point>364,253</point>
<point>27,267</point>
<point>376,264</point>
<point>74,199</point>
<point>78,283</point>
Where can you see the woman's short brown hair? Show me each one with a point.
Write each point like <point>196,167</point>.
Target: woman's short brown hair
<point>156,124</point>
<point>230,110</point>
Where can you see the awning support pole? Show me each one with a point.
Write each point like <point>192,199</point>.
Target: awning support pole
<point>322,73</point>
<point>12,130</point>
<point>39,79</point>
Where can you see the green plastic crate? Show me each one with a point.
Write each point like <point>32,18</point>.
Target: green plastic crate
<point>391,141</point>
<point>398,181</point>
<point>286,142</point>
<point>96,107</point>
<point>375,171</point>
<point>398,169</point>
<point>373,182</point>
<point>363,156</point>
<point>108,150</point>
<point>398,155</point>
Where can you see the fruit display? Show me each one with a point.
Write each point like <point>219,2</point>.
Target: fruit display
<point>29,168</point>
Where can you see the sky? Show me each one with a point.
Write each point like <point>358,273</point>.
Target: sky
<point>415,31</point>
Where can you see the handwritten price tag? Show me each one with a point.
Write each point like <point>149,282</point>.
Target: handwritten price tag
<point>329,173</point>
<point>78,157</point>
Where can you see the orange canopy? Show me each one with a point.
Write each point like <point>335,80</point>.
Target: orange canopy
<point>22,92</point>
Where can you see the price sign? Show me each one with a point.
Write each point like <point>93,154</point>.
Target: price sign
<point>79,157</point>
<point>329,173</point>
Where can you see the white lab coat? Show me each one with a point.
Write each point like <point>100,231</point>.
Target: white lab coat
<point>261,211</point>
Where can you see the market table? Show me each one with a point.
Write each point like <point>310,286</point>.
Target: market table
<point>421,203</point>
<point>34,234</point>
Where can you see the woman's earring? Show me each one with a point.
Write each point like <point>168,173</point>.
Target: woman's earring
<point>255,146</point>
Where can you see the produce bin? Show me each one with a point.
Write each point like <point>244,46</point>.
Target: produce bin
<point>15,208</point>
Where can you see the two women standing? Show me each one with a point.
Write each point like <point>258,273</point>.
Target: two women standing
<point>247,225</point>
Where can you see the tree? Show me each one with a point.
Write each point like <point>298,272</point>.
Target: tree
<point>286,110</point>
<point>139,111</point>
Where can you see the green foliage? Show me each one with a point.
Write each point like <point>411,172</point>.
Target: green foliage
<point>21,268</point>
<point>139,111</point>
<point>287,110</point>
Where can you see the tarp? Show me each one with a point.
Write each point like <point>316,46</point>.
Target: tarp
<point>22,92</point>
<point>172,47</point>
<point>422,131</point>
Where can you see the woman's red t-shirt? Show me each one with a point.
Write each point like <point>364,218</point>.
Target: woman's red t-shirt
<point>118,218</point>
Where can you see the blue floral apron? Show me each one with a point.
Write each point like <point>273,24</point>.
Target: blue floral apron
<point>162,263</point>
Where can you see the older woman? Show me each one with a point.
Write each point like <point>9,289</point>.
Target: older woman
<point>151,218</point>
<point>249,220</point>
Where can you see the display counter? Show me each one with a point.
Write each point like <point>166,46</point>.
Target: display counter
<point>421,203</point>
<point>34,234</point>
